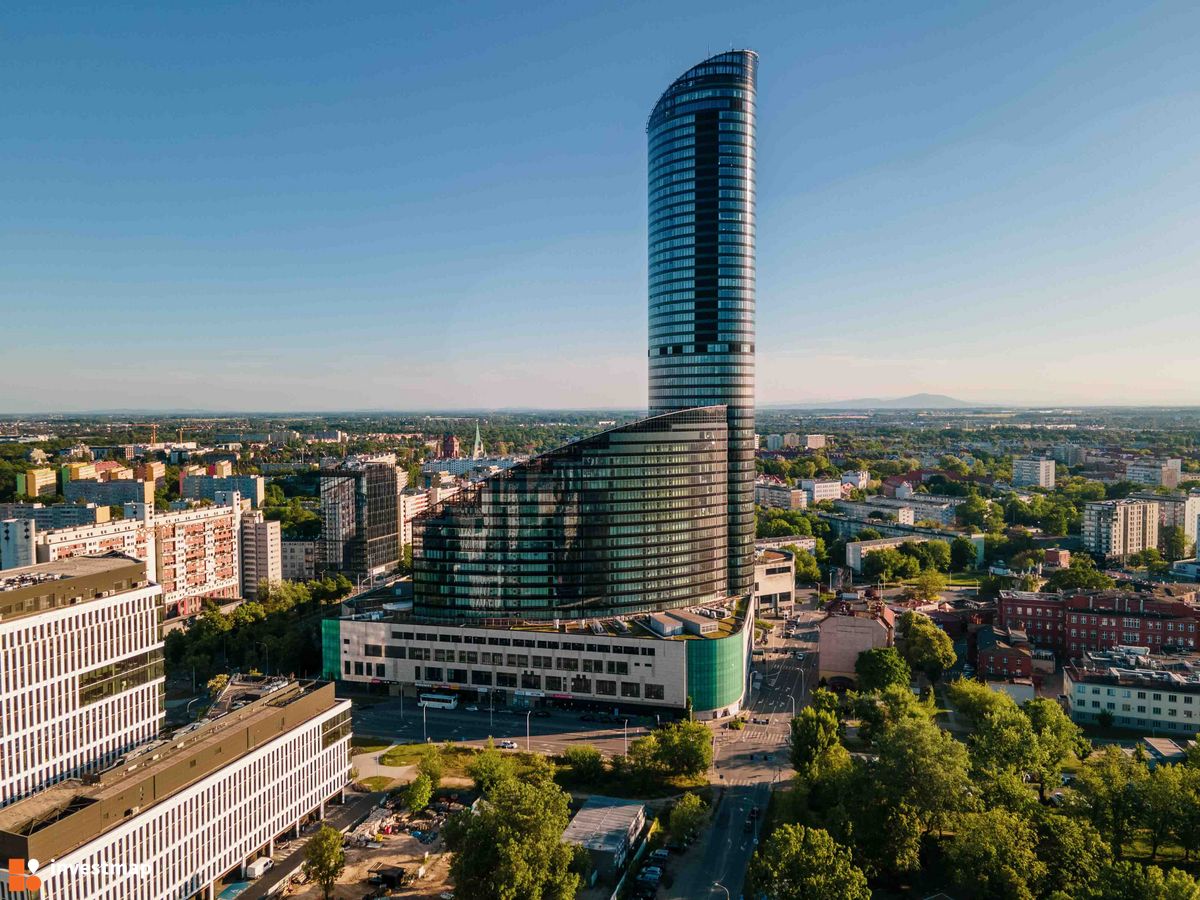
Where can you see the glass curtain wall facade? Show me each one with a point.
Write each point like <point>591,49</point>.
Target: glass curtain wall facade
<point>627,521</point>
<point>702,267</point>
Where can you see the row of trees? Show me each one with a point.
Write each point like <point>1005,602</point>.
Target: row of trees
<point>279,631</point>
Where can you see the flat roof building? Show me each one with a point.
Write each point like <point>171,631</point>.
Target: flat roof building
<point>607,828</point>
<point>81,668</point>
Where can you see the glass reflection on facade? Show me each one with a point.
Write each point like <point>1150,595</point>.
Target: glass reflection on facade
<point>629,520</point>
<point>702,267</point>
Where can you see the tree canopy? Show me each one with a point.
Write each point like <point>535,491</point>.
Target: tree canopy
<point>798,863</point>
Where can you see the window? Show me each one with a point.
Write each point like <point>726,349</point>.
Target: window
<point>567,665</point>
<point>482,678</point>
<point>581,684</point>
<point>380,670</point>
<point>393,652</point>
<point>372,650</point>
<point>554,683</point>
<point>358,668</point>
<point>630,689</point>
<point>618,667</point>
<point>654,692</point>
<point>606,688</point>
<point>530,681</point>
<point>506,679</point>
<point>458,675</point>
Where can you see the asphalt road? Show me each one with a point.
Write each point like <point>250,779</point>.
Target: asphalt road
<point>748,765</point>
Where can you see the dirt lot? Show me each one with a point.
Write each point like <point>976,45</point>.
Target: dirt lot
<point>397,850</point>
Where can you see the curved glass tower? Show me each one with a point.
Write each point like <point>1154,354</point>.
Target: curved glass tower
<point>702,271</point>
<point>630,520</point>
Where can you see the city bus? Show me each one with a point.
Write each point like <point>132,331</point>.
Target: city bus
<point>439,701</point>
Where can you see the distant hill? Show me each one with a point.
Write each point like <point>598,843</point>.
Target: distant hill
<point>912,401</point>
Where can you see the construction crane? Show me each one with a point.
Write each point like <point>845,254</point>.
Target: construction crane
<point>153,426</point>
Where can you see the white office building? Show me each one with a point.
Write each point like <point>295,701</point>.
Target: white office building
<point>183,817</point>
<point>81,668</point>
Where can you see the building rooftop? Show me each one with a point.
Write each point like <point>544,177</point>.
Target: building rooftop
<point>66,582</point>
<point>69,814</point>
<point>727,613</point>
<point>604,823</point>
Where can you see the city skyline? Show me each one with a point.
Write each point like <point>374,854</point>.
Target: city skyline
<point>998,185</point>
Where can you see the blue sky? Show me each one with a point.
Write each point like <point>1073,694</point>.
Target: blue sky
<point>407,206</point>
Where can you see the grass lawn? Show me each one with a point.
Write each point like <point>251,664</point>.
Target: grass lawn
<point>377,782</point>
<point>365,743</point>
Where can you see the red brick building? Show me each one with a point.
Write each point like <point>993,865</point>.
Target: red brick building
<point>1100,620</point>
<point>1003,653</point>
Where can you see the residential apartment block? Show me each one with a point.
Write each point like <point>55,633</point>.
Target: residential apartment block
<point>850,629</point>
<point>109,493</point>
<point>1116,529</point>
<point>262,553</point>
<point>819,489</point>
<point>298,560</point>
<point>206,487</point>
<point>1165,473</point>
<point>1033,471</point>
<point>36,482</point>
<point>775,494</point>
<point>1175,510</point>
<point>56,515</point>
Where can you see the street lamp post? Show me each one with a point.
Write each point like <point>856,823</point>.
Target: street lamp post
<point>527,715</point>
<point>718,884</point>
<point>424,723</point>
<point>626,737</point>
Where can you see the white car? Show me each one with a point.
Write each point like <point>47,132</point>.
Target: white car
<point>507,745</point>
<point>471,708</point>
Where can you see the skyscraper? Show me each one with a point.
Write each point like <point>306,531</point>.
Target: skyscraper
<point>702,269</point>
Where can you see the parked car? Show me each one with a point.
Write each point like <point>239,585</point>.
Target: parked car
<point>661,855</point>
<point>589,717</point>
<point>541,713</point>
<point>507,745</point>
<point>471,708</point>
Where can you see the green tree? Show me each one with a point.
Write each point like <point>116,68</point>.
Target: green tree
<point>489,767</point>
<point>1186,827</point>
<point>928,586</point>
<point>881,667</point>
<point>799,863</point>
<point>419,793</point>
<point>687,815</point>
<point>924,646</point>
<point>1081,575</point>
<point>1162,796</point>
<point>431,765</point>
<point>1109,790</point>
<point>586,763</point>
<point>684,748</point>
<point>1058,740</point>
<point>924,770</point>
<point>1176,543</point>
<point>324,859</point>
<point>992,856</point>
<point>1127,880</point>
<point>806,565</point>
<point>815,744</point>
<point>1073,852</point>
<point>510,846</point>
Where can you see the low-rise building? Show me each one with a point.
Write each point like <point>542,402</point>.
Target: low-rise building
<point>1003,652</point>
<point>814,442</point>
<point>857,551</point>
<point>851,628</point>
<point>1075,623</point>
<point>774,581</point>
<point>1136,690</point>
<point>858,480</point>
<point>607,828</point>
<point>623,662</point>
